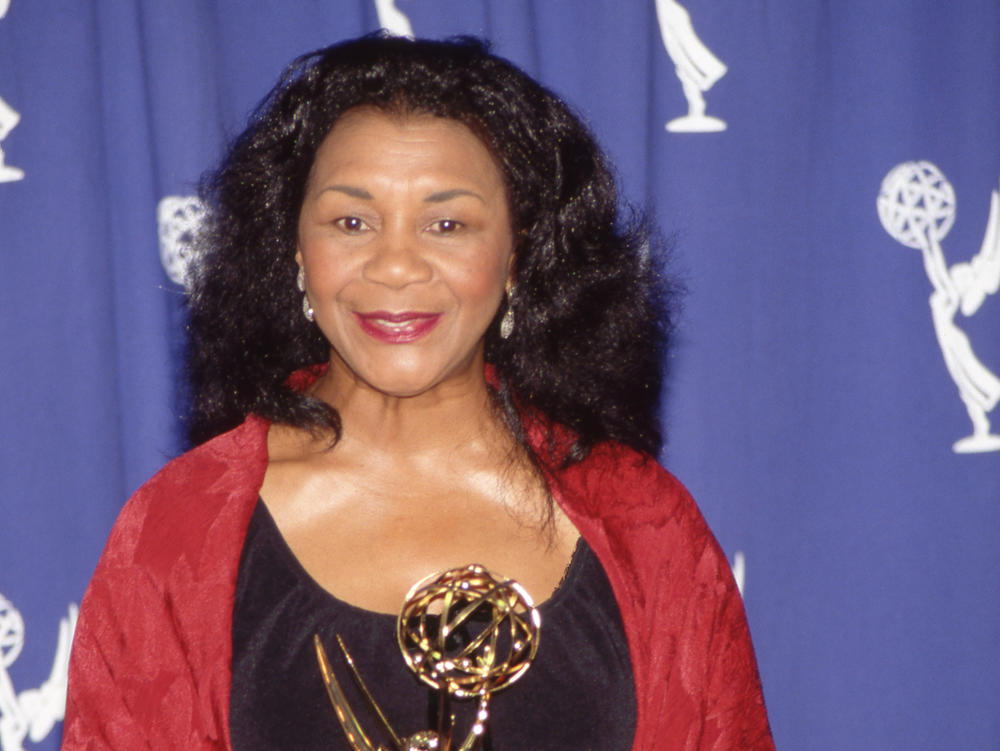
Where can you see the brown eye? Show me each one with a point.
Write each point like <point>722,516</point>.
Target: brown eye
<point>446,226</point>
<point>351,224</point>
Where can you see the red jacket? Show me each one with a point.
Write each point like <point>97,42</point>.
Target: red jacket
<point>150,666</point>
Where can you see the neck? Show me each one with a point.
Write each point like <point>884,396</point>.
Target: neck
<point>456,414</point>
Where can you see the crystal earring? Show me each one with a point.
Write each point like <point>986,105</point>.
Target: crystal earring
<point>300,282</point>
<point>507,322</point>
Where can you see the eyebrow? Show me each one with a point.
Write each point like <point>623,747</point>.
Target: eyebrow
<point>439,197</point>
<point>447,195</point>
<point>351,191</point>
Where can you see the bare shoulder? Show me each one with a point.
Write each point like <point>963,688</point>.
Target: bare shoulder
<point>291,452</point>
<point>289,443</point>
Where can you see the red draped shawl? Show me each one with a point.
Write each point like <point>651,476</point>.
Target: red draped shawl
<point>150,666</point>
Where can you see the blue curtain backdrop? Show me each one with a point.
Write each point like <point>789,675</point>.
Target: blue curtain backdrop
<point>827,178</point>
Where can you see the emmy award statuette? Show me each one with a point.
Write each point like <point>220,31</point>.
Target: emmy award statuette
<point>465,634</point>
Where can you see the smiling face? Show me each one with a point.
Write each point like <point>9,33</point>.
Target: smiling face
<point>405,237</point>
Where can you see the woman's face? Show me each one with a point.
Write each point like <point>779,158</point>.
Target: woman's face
<point>405,237</point>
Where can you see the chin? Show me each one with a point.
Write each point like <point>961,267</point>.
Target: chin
<point>402,388</point>
<point>404,374</point>
<point>418,383</point>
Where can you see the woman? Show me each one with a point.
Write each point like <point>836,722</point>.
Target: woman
<point>420,337</point>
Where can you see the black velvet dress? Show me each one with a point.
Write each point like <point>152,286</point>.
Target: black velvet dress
<point>578,693</point>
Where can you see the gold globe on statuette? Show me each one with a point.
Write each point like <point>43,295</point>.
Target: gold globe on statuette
<point>464,633</point>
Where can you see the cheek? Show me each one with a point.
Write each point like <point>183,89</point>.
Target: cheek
<point>487,276</point>
<point>326,272</point>
<point>485,286</point>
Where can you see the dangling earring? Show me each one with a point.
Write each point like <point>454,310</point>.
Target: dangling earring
<point>300,282</point>
<point>507,322</point>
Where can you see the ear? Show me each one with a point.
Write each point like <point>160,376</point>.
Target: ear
<point>298,256</point>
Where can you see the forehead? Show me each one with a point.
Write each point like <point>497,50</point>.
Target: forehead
<point>364,137</point>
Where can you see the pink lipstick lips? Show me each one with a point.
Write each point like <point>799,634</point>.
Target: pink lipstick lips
<point>397,328</point>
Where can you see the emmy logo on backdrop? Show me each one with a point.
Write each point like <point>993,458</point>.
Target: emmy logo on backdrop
<point>8,121</point>
<point>31,713</point>
<point>178,220</point>
<point>695,65</point>
<point>916,205</point>
<point>392,19</point>
<point>739,569</point>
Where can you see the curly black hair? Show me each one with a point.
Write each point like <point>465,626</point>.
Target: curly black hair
<point>590,303</point>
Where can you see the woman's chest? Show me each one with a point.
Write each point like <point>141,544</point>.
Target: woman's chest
<point>578,692</point>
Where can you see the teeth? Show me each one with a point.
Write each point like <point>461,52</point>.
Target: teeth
<point>393,324</point>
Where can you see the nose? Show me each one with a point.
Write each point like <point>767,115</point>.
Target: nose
<point>396,260</point>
